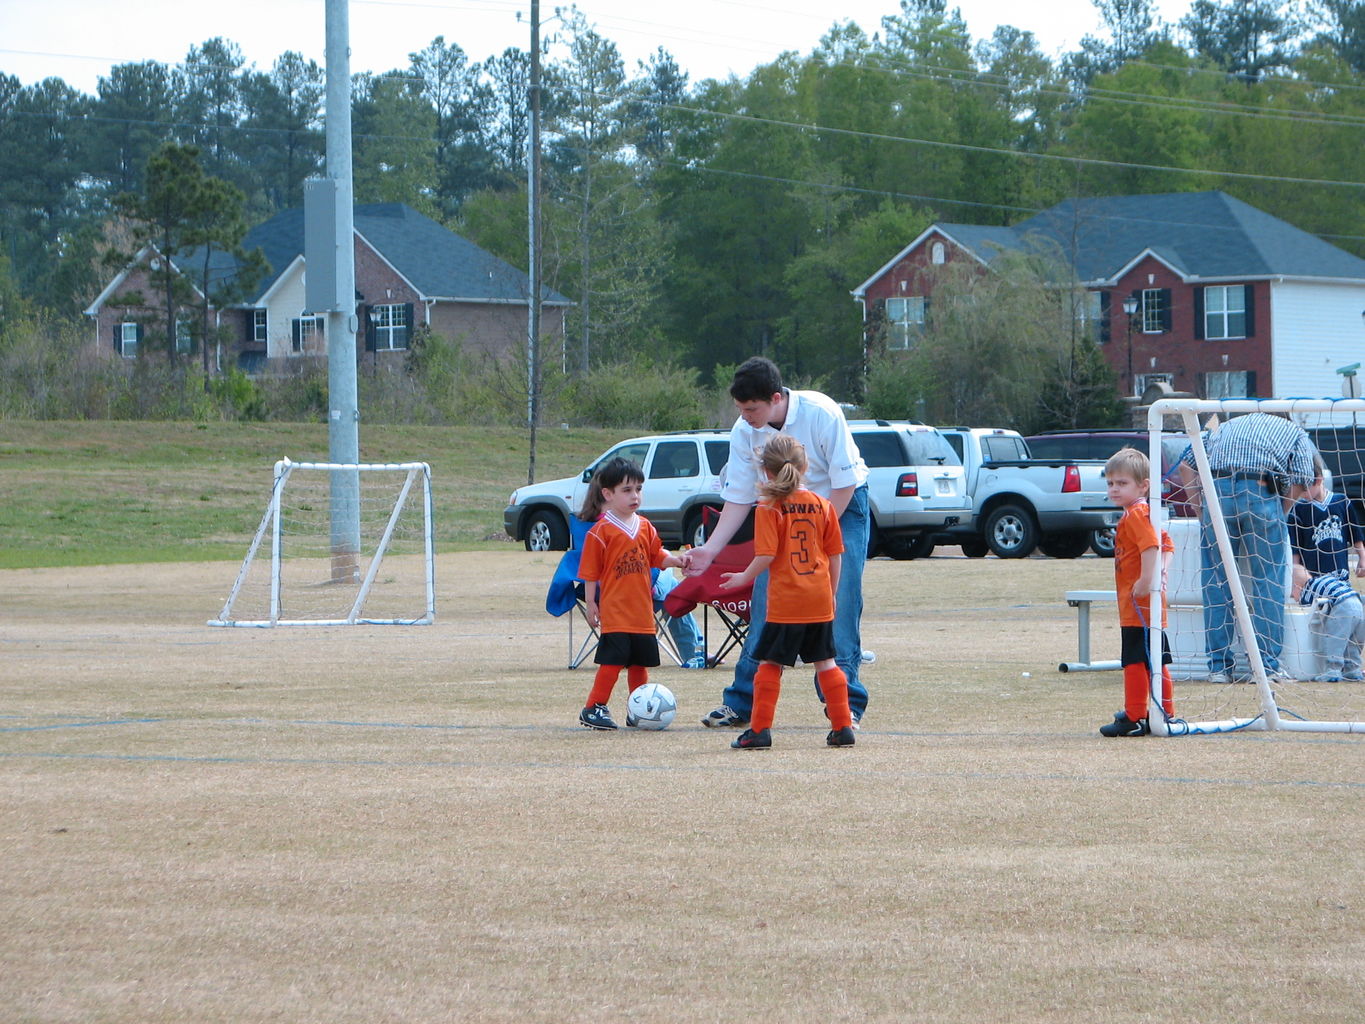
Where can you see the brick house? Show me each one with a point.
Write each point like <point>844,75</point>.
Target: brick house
<point>410,273</point>
<point>1195,289</point>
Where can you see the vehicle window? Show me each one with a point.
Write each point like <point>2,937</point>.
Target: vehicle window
<point>955,443</point>
<point>998,448</point>
<point>674,460</point>
<point>881,448</point>
<point>930,448</point>
<point>1055,448</point>
<point>717,455</point>
<point>636,453</point>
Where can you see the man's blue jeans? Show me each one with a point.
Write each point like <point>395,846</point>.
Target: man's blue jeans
<point>1255,520</point>
<point>848,616</point>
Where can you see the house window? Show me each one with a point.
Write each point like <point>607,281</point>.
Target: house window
<point>128,340</point>
<point>390,327</point>
<point>1154,310</point>
<point>904,321</point>
<point>259,326</point>
<point>1143,381</point>
<point>937,253</point>
<point>302,332</point>
<point>1225,313</point>
<point>1088,310</point>
<point>184,337</point>
<point>1229,384</point>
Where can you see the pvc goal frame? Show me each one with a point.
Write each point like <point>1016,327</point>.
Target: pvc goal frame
<point>340,549</point>
<point>1277,706</point>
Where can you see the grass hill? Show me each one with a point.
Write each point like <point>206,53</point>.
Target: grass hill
<point>110,491</point>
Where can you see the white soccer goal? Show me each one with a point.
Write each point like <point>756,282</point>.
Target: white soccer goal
<point>339,544</point>
<point>1298,697</point>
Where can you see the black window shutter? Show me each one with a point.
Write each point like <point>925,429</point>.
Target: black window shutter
<point>1251,383</point>
<point>118,338</point>
<point>370,340</point>
<point>296,332</point>
<point>1199,314</point>
<point>926,309</point>
<point>250,318</point>
<point>1106,320</point>
<point>1249,300</point>
<point>1165,309</point>
<point>407,325</point>
<point>139,339</point>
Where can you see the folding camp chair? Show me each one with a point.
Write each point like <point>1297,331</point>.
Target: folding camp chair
<point>565,597</point>
<point>731,607</point>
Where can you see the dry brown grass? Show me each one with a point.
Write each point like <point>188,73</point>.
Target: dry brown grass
<point>380,824</point>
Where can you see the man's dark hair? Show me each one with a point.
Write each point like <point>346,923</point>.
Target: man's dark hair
<point>756,380</point>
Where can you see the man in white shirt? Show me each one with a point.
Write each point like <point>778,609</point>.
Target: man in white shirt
<point>836,471</point>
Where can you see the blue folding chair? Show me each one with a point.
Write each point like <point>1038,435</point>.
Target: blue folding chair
<point>565,597</point>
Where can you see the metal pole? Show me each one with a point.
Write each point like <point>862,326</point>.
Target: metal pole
<point>533,245</point>
<point>343,422</point>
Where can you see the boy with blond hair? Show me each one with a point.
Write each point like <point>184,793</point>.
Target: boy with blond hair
<point>1140,559</point>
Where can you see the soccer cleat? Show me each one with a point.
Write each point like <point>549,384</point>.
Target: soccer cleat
<point>724,717</point>
<point>1327,677</point>
<point>1122,725</point>
<point>596,717</point>
<point>631,721</point>
<point>750,740</point>
<point>840,737</point>
<point>1353,675</point>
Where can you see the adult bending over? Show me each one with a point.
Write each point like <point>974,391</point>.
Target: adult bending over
<point>835,471</point>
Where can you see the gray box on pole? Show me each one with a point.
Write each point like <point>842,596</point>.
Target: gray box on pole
<point>321,242</point>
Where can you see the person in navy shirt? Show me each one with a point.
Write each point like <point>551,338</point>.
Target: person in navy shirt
<point>1323,530</point>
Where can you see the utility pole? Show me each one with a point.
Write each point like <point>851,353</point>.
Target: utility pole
<point>533,374</point>
<point>343,420</point>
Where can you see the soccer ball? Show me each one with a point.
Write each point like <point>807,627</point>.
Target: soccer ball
<point>652,706</point>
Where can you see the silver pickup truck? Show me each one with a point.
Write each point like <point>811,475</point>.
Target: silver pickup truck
<point>1020,504</point>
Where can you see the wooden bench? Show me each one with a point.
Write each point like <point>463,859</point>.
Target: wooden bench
<point>1081,600</point>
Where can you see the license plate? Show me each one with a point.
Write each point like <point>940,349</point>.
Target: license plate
<point>943,487</point>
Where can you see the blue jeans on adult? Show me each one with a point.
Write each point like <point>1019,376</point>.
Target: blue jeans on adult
<point>1256,527</point>
<point>848,616</point>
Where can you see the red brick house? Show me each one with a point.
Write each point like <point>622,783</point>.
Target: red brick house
<point>410,273</point>
<point>1225,300</point>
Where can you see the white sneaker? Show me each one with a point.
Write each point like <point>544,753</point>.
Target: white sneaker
<point>1220,678</point>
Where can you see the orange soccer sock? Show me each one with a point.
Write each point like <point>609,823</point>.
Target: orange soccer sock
<point>834,685</point>
<point>767,688</point>
<point>602,684</point>
<point>1167,691</point>
<point>1136,680</point>
<point>636,677</point>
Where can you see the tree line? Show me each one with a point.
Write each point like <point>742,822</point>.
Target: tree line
<point>702,222</point>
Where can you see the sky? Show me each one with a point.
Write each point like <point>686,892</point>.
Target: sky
<point>80,40</point>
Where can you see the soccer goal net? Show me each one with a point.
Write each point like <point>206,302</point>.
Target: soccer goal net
<point>1265,617</point>
<point>339,544</point>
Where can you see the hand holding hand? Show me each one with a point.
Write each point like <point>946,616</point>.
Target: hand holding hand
<point>698,561</point>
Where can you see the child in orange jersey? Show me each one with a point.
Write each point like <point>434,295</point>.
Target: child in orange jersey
<point>618,554</point>
<point>1139,567</point>
<point>797,540</point>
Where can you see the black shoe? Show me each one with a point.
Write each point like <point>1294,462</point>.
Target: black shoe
<point>840,737</point>
<point>1122,725</point>
<point>596,717</point>
<point>750,740</point>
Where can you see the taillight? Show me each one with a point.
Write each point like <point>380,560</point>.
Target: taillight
<point>907,486</point>
<point>1071,480</point>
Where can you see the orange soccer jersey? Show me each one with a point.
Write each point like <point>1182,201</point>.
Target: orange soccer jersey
<point>801,532</point>
<point>1133,535</point>
<point>620,561</point>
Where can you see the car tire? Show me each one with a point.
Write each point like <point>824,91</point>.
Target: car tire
<point>693,530</point>
<point>876,544</point>
<point>1071,544</point>
<point>1011,532</point>
<point>1102,542</point>
<point>547,531</point>
<point>975,548</point>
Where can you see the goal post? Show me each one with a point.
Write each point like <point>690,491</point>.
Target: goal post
<point>300,569</point>
<point>1251,685</point>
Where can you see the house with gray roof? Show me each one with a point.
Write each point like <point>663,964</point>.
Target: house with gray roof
<point>1194,289</point>
<point>410,273</point>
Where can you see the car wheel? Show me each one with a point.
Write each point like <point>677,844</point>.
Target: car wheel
<point>694,532</point>
<point>1102,542</point>
<point>1071,544</point>
<point>974,548</point>
<point>547,531</point>
<point>1011,532</point>
<point>919,546</point>
<point>875,543</point>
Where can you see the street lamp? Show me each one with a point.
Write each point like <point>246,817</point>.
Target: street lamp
<point>1130,308</point>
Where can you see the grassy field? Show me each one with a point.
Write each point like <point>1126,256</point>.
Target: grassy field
<point>103,492</point>
<point>350,826</point>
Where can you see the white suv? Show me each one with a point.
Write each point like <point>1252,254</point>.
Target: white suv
<point>916,486</point>
<point>682,476</point>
